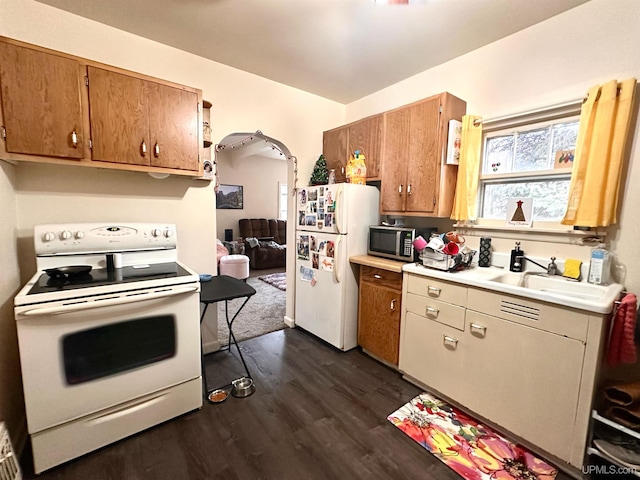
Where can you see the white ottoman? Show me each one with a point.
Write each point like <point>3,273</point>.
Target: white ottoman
<point>235,266</point>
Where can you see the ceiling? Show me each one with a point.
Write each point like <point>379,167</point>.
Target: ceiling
<point>339,49</point>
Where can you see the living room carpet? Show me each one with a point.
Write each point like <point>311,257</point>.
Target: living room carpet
<point>278,280</point>
<point>263,313</point>
<point>472,450</point>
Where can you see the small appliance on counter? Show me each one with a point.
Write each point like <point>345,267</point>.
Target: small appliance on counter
<point>396,242</point>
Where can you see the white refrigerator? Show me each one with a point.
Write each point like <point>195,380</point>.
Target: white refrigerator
<point>332,225</point>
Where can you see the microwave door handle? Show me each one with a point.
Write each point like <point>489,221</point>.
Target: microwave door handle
<point>76,307</point>
<point>398,242</point>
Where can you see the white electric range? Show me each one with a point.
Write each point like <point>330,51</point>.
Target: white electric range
<point>110,350</point>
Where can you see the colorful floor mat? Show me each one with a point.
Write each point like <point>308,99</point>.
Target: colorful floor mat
<point>471,449</point>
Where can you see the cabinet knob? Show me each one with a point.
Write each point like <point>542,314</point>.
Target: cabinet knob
<point>156,150</point>
<point>74,139</point>
<point>409,189</point>
<point>450,342</point>
<point>377,277</point>
<point>478,329</point>
<point>143,148</point>
<point>392,307</point>
<point>400,189</point>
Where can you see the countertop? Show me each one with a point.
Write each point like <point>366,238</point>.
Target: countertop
<point>558,290</point>
<point>378,262</point>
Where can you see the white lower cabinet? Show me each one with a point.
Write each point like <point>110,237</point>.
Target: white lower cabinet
<point>507,359</point>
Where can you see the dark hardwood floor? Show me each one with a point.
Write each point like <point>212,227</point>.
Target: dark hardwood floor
<point>317,413</point>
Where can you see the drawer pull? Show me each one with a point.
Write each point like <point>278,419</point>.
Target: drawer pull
<point>432,311</point>
<point>393,305</point>
<point>376,276</point>
<point>156,150</point>
<point>74,139</point>
<point>400,189</point>
<point>450,342</point>
<point>433,290</point>
<point>143,148</point>
<point>479,329</point>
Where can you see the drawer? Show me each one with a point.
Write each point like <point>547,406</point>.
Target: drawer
<point>444,291</point>
<point>381,277</point>
<point>442,312</point>
<point>562,321</point>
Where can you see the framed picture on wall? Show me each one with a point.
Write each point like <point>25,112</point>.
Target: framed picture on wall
<point>229,196</point>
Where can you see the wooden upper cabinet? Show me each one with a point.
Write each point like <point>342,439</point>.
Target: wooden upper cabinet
<point>335,148</point>
<point>415,179</point>
<point>140,122</point>
<point>41,102</point>
<point>119,117</point>
<point>366,135</point>
<point>173,123</point>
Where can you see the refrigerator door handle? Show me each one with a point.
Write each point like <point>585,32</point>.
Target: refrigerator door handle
<point>339,206</point>
<point>336,265</point>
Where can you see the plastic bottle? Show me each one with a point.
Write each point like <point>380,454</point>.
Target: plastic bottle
<point>600,266</point>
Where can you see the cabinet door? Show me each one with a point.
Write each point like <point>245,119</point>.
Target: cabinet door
<point>433,354</point>
<point>173,123</point>
<point>366,136</point>
<point>379,321</point>
<point>422,156</point>
<point>41,102</point>
<point>119,117</point>
<point>524,379</point>
<point>335,145</point>
<point>394,170</point>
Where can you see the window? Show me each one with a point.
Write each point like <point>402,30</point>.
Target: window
<point>282,201</point>
<point>532,160</point>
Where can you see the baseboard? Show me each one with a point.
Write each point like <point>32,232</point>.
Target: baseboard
<point>289,322</point>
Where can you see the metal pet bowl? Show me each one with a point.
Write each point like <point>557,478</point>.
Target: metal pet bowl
<point>242,387</point>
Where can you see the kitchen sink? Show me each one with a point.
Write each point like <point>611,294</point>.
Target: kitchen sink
<point>556,285</point>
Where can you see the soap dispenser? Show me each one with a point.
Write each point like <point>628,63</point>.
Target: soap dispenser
<point>515,265</point>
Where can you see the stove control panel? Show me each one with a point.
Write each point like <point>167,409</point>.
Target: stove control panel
<point>62,239</point>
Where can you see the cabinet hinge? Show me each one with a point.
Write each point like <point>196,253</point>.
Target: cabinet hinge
<point>4,133</point>
<point>86,80</point>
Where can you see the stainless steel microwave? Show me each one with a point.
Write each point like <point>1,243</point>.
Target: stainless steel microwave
<point>391,242</point>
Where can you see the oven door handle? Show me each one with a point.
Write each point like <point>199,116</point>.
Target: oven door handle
<point>75,307</point>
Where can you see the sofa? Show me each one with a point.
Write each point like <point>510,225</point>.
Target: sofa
<point>264,242</point>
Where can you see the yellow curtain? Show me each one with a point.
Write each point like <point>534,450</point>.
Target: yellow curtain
<point>599,156</point>
<point>466,196</point>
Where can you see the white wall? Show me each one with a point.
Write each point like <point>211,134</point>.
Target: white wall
<point>33,194</point>
<point>549,63</point>
<point>260,177</point>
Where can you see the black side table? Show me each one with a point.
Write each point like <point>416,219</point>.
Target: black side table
<point>224,287</point>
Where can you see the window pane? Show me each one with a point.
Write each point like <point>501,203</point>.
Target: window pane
<point>532,151</point>
<point>498,153</point>
<point>549,198</point>
<point>564,136</point>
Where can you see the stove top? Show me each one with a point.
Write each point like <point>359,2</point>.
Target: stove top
<point>104,277</point>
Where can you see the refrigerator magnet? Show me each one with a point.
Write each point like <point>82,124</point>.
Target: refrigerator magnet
<point>328,219</point>
<point>303,247</point>
<point>315,261</point>
<point>313,243</point>
<point>303,196</point>
<point>310,220</point>
<point>313,195</point>
<point>306,274</point>
<point>320,224</point>
<point>326,263</point>
<point>330,249</point>
<point>301,217</point>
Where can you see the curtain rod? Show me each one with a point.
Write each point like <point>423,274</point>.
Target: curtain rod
<point>565,107</point>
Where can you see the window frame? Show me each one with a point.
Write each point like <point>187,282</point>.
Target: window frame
<point>508,125</point>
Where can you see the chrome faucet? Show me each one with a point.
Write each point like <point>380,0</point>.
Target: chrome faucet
<point>552,268</point>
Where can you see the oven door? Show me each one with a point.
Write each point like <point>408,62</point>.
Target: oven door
<point>80,358</point>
